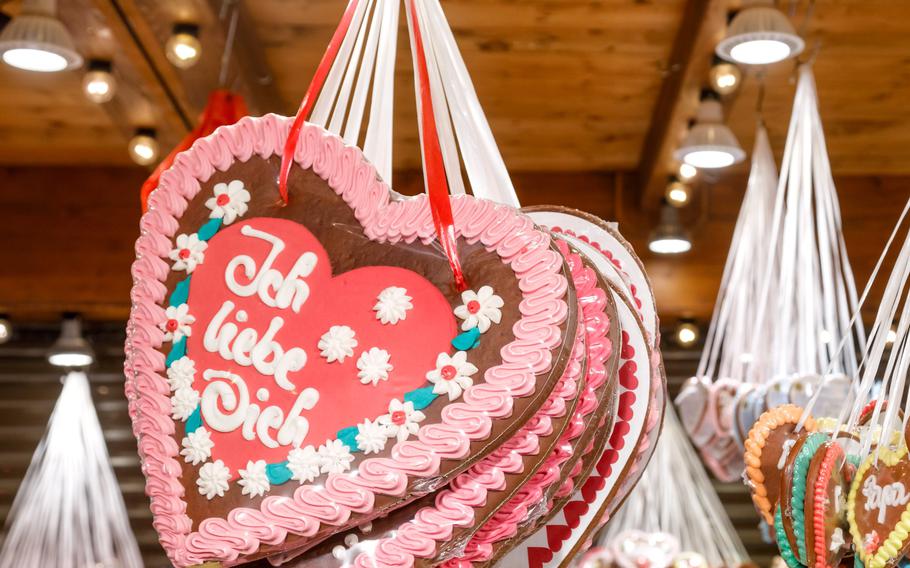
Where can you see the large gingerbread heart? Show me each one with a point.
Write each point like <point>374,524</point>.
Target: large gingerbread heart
<point>296,369</point>
<point>827,533</point>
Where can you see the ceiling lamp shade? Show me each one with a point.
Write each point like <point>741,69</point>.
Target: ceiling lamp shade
<point>710,144</point>
<point>760,34</point>
<point>669,237</point>
<point>71,350</point>
<point>37,41</point>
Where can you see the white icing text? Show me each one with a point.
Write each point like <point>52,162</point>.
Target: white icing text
<point>880,498</point>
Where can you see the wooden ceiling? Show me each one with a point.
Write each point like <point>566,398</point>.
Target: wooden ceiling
<point>581,95</point>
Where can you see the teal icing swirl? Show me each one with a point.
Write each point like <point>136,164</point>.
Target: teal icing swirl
<point>781,537</point>
<point>798,496</point>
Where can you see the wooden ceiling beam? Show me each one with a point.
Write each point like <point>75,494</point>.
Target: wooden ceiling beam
<point>701,27</point>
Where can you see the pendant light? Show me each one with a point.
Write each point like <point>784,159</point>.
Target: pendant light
<point>760,34</point>
<point>36,40</point>
<point>71,349</point>
<point>710,144</point>
<point>183,48</point>
<point>99,84</point>
<point>669,237</point>
<point>6,328</point>
<point>687,333</point>
<point>725,77</point>
<point>144,147</point>
<point>677,193</point>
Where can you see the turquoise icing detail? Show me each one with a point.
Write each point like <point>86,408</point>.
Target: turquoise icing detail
<point>781,537</point>
<point>348,437</point>
<point>194,422</point>
<point>467,340</point>
<point>421,398</point>
<point>278,473</point>
<point>177,351</point>
<point>181,292</point>
<point>208,230</point>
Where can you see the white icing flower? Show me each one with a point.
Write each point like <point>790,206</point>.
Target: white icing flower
<point>230,201</point>
<point>452,374</point>
<point>371,436</point>
<point>392,305</point>
<point>197,446</point>
<point>181,373</point>
<point>253,479</point>
<point>374,366</point>
<point>189,252</point>
<point>178,322</point>
<point>335,457</point>
<point>213,479</point>
<point>183,403</point>
<point>304,464</point>
<point>479,309</point>
<point>337,343</point>
<point>401,420</point>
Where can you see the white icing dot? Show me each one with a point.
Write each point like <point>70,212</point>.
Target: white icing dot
<point>263,394</point>
<point>242,316</point>
<point>351,539</point>
<point>338,551</point>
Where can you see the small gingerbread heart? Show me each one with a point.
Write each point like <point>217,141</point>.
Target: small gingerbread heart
<point>767,448</point>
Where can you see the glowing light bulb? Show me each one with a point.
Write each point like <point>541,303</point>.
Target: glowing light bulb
<point>144,147</point>
<point>677,194</point>
<point>687,171</point>
<point>686,334</point>
<point>99,84</point>
<point>725,78</point>
<point>183,48</point>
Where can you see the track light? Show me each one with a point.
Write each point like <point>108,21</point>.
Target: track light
<point>669,237</point>
<point>183,48</point>
<point>6,328</point>
<point>144,147</point>
<point>760,34</point>
<point>725,77</point>
<point>677,193</point>
<point>99,84</point>
<point>687,333</point>
<point>710,144</point>
<point>36,40</point>
<point>71,349</point>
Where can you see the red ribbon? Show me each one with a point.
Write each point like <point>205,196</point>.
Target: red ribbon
<point>436,182</point>
<point>434,169</point>
<point>222,108</point>
<point>309,99</point>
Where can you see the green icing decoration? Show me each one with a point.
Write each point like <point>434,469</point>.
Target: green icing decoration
<point>797,500</point>
<point>278,473</point>
<point>348,437</point>
<point>194,422</point>
<point>177,351</point>
<point>208,230</point>
<point>467,340</point>
<point>421,398</point>
<point>181,292</point>
<point>785,551</point>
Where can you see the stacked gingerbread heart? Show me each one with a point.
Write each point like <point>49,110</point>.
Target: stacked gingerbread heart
<point>321,371</point>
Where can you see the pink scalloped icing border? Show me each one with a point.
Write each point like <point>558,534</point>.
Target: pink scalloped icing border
<point>455,505</point>
<point>504,524</point>
<point>512,236</point>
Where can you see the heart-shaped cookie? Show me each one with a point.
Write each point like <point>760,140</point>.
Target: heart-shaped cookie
<point>770,441</point>
<point>827,532</point>
<point>878,507</point>
<point>296,369</point>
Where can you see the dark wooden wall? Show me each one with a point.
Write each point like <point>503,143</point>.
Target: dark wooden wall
<point>66,233</point>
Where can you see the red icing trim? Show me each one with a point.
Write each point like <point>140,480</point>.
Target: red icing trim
<point>820,494</point>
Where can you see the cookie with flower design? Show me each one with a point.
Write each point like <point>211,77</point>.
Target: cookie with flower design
<point>319,353</point>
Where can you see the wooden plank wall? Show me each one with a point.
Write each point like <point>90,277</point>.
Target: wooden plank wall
<point>67,241</point>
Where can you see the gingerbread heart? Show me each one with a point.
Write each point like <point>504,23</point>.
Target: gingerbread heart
<point>827,486</point>
<point>878,507</point>
<point>769,443</point>
<point>296,369</point>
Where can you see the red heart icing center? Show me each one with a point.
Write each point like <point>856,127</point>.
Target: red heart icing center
<point>239,255</point>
